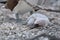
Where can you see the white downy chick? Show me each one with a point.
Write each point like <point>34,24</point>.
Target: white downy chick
<point>37,18</point>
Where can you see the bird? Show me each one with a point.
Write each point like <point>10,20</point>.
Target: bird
<point>37,19</point>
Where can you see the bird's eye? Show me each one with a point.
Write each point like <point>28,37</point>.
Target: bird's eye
<point>36,25</point>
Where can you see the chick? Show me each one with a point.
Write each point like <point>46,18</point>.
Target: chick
<point>37,19</point>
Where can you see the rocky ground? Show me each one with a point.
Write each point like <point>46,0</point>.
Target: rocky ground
<point>16,29</point>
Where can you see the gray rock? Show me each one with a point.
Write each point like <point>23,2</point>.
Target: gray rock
<point>22,7</point>
<point>3,0</point>
<point>6,14</point>
<point>32,2</point>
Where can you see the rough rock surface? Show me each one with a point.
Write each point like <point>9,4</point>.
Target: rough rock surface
<point>22,7</point>
<point>2,0</point>
<point>13,30</point>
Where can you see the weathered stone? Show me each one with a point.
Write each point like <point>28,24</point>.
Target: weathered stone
<point>22,7</point>
<point>32,2</point>
<point>3,0</point>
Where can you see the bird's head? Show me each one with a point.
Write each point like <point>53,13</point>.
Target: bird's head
<point>39,22</point>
